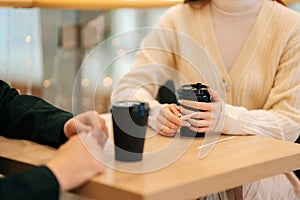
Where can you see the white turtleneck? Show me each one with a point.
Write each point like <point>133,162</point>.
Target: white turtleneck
<point>232,21</point>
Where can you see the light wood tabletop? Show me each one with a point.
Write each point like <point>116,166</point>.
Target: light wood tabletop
<point>170,168</point>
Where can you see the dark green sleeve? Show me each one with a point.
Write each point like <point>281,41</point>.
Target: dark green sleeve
<point>33,184</point>
<point>32,118</point>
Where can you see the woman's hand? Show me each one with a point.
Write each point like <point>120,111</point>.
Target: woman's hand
<point>206,119</point>
<point>86,122</point>
<point>167,120</point>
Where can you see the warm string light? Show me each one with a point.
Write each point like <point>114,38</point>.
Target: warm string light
<point>46,83</point>
<point>107,81</point>
<point>85,82</point>
<point>28,38</point>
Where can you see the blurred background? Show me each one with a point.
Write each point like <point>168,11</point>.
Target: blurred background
<point>61,54</point>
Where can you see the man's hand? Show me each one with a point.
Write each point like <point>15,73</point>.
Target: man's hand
<point>89,121</point>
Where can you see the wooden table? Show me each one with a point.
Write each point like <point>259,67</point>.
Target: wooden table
<point>230,163</point>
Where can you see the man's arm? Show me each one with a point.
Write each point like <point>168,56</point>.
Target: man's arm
<point>35,183</point>
<point>32,118</point>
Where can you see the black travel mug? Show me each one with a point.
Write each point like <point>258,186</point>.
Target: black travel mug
<point>193,92</point>
<point>130,120</point>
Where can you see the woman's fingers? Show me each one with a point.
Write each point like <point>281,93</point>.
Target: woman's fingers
<point>166,127</point>
<point>199,122</point>
<point>168,120</point>
<point>206,114</point>
<point>175,109</point>
<point>203,106</point>
<point>166,131</point>
<point>198,115</point>
<point>199,129</point>
<point>171,113</point>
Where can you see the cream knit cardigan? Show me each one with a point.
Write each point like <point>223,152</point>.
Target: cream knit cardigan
<point>262,90</point>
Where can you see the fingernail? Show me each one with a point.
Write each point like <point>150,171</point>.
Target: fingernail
<point>187,124</point>
<point>179,115</point>
<point>90,134</point>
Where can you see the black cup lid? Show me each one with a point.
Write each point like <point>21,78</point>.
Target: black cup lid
<point>197,88</point>
<point>139,108</point>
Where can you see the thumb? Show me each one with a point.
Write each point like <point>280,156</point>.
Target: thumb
<point>214,95</point>
<point>73,127</point>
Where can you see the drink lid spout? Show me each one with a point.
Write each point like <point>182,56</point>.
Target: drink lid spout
<point>198,86</point>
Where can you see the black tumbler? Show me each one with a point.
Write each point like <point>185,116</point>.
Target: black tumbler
<point>129,126</point>
<point>193,92</point>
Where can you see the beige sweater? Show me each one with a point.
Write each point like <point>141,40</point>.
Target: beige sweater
<point>262,89</point>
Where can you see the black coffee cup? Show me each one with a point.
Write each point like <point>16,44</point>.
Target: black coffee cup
<point>192,92</point>
<point>130,120</point>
